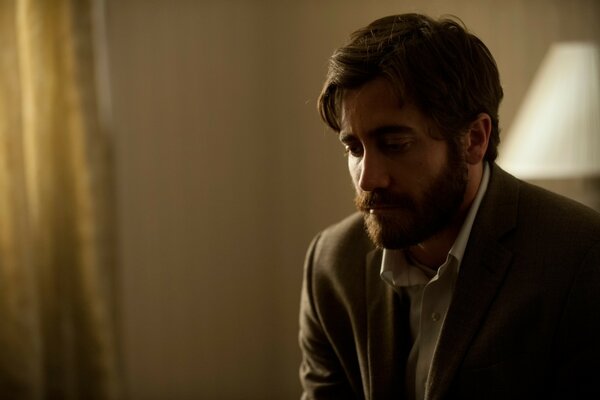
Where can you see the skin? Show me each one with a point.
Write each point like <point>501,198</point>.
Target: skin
<point>389,146</point>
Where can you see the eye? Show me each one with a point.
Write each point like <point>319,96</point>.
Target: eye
<point>355,150</point>
<point>396,146</point>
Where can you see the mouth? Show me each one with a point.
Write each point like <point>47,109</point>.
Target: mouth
<point>383,203</point>
<point>378,210</point>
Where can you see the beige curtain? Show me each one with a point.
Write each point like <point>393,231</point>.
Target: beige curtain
<point>57,259</point>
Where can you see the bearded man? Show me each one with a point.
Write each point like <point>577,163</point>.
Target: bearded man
<point>454,279</point>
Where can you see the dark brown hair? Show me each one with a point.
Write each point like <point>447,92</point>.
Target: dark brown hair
<point>445,71</point>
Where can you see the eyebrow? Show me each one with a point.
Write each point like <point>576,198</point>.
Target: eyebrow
<point>379,131</point>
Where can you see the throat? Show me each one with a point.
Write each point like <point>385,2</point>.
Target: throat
<point>433,252</point>
<point>427,258</point>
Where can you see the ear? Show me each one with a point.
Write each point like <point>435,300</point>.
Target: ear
<point>477,138</point>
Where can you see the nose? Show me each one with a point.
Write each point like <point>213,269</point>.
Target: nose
<point>373,174</point>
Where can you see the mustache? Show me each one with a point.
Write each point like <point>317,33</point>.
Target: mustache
<point>365,201</point>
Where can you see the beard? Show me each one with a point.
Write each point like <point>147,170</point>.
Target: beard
<point>410,221</point>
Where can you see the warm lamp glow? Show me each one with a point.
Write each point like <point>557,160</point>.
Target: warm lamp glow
<point>556,133</point>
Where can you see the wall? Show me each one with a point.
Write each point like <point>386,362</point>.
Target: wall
<point>225,172</point>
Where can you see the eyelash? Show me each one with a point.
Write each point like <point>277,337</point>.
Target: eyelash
<point>396,147</point>
<point>349,152</point>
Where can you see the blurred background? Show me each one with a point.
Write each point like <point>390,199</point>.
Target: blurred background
<point>209,172</point>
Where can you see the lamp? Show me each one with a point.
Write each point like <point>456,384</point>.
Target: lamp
<point>556,133</point>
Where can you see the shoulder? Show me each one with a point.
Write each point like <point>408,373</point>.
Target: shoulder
<point>556,216</point>
<point>339,257</point>
<point>533,203</point>
<point>341,242</point>
<point>537,219</point>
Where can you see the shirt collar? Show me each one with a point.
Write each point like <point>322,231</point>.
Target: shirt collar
<point>394,262</point>
<point>460,244</point>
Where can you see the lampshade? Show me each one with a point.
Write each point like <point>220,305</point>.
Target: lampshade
<point>556,133</point>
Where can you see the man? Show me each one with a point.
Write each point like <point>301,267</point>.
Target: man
<point>454,279</point>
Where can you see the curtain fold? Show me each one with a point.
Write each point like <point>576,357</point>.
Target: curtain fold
<point>57,234</point>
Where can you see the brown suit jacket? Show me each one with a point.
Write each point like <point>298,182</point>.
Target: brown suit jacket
<point>524,321</point>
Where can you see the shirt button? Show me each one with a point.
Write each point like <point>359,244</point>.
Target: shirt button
<point>435,317</point>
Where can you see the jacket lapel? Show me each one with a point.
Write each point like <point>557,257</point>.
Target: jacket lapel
<point>481,274</point>
<point>387,335</point>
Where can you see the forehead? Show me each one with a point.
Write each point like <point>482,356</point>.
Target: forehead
<point>376,104</point>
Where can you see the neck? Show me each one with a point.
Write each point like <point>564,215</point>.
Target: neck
<point>434,251</point>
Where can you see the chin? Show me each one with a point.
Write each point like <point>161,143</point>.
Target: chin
<point>392,233</point>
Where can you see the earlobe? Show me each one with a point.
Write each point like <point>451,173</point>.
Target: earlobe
<point>478,138</point>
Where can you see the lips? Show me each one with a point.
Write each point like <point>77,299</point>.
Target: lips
<point>366,207</point>
<point>379,202</point>
<point>382,209</point>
